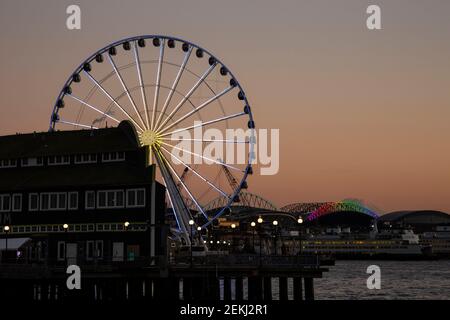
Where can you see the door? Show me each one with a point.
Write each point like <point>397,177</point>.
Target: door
<point>132,252</point>
<point>117,251</point>
<point>71,253</point>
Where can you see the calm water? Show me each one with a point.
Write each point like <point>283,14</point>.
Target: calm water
<point>399,280</point>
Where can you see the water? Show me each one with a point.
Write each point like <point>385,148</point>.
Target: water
<point>399,280</point>
<point>413,280</point>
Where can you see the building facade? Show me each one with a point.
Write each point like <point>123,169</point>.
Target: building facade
<point>79,197</point>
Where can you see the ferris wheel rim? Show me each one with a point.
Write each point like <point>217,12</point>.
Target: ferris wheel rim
<point>134,38</point>
<point>54,115</point>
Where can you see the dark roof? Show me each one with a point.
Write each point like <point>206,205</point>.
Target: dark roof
<point>54,177</point>
<point>121,138</point>
<point>398,215</point>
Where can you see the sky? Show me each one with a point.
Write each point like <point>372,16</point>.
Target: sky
<point>362,113</point>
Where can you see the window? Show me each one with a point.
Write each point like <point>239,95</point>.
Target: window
<point>17,202</point>
<point>58,160</point>
<point>33,204</point>
<point>110,199</point>
<point>32,162</point>
<point>61,251</point>
<point>86,158</point>
<point>7,163</point>
<point>73,201</point>
<point>113,156</point>
<point>5,202</point>
<point>89,250</point>
<point>99,249</point>
<point>53,201</point>
<point>90,200</point>
<point>135,198</point>
<point>45,201</point>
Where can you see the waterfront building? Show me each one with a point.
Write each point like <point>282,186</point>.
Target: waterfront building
<point>79,197</point>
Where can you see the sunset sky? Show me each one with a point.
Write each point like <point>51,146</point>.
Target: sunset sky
<point>362,114</point>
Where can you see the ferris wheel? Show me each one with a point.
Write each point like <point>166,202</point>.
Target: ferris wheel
<point>186,107</point>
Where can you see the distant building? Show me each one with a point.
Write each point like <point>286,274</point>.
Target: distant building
<point>419,220</point>
<point>79,197</point>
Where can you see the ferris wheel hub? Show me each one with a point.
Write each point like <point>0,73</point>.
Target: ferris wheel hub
<point>149,138</point>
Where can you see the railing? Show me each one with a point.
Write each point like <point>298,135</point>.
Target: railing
<point>250,260</point>
<point>105,264</point>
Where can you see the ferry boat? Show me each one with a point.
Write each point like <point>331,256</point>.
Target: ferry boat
<point>438,241</point>
<point>398,244</point>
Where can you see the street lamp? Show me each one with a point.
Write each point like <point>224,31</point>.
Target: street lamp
<point>126,225</point>
<point>191,224</point>
<point>300,221</point>
<point>275,223</point>
<point>233,226</point>
<point>260,221</point>
<point>6,230</point>
<point>253,225</point>
<point>65,227</point>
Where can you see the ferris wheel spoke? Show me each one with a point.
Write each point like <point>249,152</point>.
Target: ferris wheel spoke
<point>188,95</point>
<point>158,81</point>
<point>141,81</point>
<point>206,140</point>
<point>76,124</point>
<point>197,174</point>
<point>205,158</point>
<point>206,123</point>
<point>174,211</point>
<point>204,104</point>
<point>113,100</point>
<point>119,76</point>
<point>92,107</point>
<point>184,186</point>
<point>174,86</point>
<point>181,213</point>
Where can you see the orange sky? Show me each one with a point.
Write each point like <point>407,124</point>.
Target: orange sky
<point>362,114</point>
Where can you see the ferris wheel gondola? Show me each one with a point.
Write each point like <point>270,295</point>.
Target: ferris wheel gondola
<point>166,87</point>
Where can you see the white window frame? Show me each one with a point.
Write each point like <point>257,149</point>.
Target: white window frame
<point>58,206</point>
<point>107,192</point>
<point>69,194</point>
<point>20,202</point>
<point>29,202</point>
<point>135,192</point>
<point>86,200</point>
<point>61,163</point>
<point>32,162</point>
<point>98,255</point>
<point>2,199</point>
<point>82,161</point>
<point>9,163</point>
<point>117,159</point>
